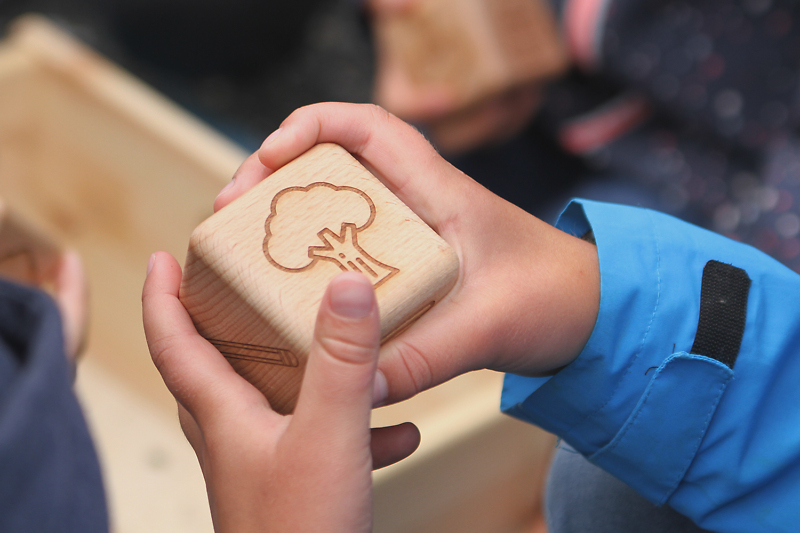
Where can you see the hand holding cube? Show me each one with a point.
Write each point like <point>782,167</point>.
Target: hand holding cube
<point>527,294</point>
<point>257,269</point>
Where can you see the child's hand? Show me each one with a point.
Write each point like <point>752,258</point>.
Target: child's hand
<point>310,471</point>
<point>527,295</point>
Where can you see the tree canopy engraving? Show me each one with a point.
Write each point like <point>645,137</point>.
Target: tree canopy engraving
<point>321,222</point>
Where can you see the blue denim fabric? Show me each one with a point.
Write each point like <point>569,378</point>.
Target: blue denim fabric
<point>582,497</point>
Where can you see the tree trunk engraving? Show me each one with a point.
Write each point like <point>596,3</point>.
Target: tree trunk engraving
<point>343,250</point>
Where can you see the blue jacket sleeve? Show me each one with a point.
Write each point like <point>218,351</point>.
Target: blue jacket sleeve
<point>718,444</point>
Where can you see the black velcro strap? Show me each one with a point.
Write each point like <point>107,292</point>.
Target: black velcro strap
<point>723,309</point>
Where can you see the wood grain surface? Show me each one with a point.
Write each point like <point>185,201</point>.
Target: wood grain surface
<point>256,271</point>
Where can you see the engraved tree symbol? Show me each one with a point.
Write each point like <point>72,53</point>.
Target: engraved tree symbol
<point>322,222</point>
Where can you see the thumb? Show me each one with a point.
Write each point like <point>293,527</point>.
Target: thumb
<point>337,393</point>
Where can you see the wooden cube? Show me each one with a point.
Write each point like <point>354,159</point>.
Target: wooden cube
<point>471,50</point>
<point>256,271</point>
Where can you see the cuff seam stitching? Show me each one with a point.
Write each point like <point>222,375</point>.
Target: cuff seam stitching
<point>639,351</point>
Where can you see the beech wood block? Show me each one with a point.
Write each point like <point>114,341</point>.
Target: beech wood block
<point>470,49</point>
<point>256,270</point>
<point>25,255</point>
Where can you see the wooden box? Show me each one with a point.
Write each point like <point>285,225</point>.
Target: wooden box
<point>97,161</point>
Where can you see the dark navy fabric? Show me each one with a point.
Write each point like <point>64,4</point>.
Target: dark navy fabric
<point>50,478</point>
<point>719,145</point>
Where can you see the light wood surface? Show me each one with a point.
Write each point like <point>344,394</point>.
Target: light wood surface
<point>256,270</point>
<point>100,163</point>
<point>476,470</point>
<point>468,50</point>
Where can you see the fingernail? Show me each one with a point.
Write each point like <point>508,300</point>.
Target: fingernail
<point>380,390</point>
<point>351,296</point>
<point>150,263</point>
<point>271,137</point>
<point>227,187</point>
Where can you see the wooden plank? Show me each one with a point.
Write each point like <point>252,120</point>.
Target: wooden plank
<point>124,95</point>
<point>115,174</point>
<point>476,470</point>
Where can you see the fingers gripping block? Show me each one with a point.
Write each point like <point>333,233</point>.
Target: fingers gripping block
<point>256,271</point>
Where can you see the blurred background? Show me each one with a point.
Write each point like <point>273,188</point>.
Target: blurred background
<point>243,66</point>
<point>239,65</point>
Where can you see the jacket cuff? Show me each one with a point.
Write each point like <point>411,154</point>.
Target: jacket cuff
<point>605,402</point>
